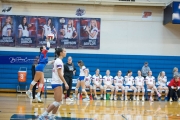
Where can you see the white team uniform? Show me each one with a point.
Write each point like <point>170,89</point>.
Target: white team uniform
<point>161,83</point>
<point>150,80</point>
<point>47,30</point>
<point>82,71</point>
<point>95,29</point>
<point>108,80</point>
<point>129,80</point>
<point>88,81</point>
<point>25,32</point>
<point>97,81</point>
<point>55,77</point>
<point>69,31</point>
<point>119,82</point>
<point>139,81</point>
<point>5,30</point>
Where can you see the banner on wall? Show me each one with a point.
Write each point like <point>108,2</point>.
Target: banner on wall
<point>18,59</point>
<point>89,33</point>
<point>26,31</point>
<point>31,31</point>
<point>7,31</point>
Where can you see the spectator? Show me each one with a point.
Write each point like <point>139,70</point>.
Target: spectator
<point>174,87</point>
<point>145,70</point>
<point>69,71</point>
<point>175,72</point>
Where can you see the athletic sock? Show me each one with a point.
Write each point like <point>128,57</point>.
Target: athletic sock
<point>38,94</point>
<point>45,113</point>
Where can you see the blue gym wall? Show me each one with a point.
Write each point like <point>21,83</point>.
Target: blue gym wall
<point>9,72</point>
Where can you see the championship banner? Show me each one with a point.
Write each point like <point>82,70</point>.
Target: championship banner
<point>7,30</point>
<point>46,25</point>
<point>89,33</point>
<point>26,31</point>
<point>68,32</point>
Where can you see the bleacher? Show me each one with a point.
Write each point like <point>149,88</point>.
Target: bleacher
<point>9,78</point>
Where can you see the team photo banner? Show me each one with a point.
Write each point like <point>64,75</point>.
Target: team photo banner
<point>31,31</point>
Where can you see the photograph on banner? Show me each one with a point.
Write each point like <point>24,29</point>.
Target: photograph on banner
<point>68,32</point>
<point>46,26</point>
<point>26,31</point>
<point>89,33</point>
<point>7,31</point>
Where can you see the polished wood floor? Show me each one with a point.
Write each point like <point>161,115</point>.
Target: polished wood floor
<point>16,107</point>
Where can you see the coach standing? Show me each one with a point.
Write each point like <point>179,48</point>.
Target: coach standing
<point>69,71</point>
<point>145,70</point>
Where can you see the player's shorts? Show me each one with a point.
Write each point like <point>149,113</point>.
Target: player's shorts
<point>55,85</point>
<point>97,86</point>
<point>119,86</point>
<point>109,86</point>
<point>81,78</point>
<point>40,67</point>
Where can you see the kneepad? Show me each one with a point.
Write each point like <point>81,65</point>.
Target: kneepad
<point>56,104</point>
<point>76,89</point>
<point>40,85</point>
<point>33,82</point>
<point>83,90</point>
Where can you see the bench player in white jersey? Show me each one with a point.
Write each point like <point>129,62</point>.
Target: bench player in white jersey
<point>81,81</point>
<point>49,29</point>
<point>57,81</point>
<point>97,83</point>
<point>118,82</point>
<point>139,81</point>
<point>108,81</point>
<point>23,28</point>
<point>162,79</point>
<point>150,81</point>
<point>92,30</point>
<point>88,81</point>
<point>69,31</point>
<point>7,27</point>
<point>129,84</point>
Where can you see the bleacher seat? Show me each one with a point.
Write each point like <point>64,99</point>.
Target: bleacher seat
<point>114,62</point>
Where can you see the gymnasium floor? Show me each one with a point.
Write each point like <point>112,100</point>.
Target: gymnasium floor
<point>18,107</point>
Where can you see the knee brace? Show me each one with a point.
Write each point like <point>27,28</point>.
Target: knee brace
<point>83,90</point>
<point>76,89</point>
<point>40,85</point>
<point>33,82</point>
<point>56,104</point>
